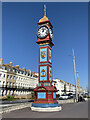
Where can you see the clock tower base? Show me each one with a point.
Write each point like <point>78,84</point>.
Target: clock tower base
<point>45,99</point>
<point>46,109</point>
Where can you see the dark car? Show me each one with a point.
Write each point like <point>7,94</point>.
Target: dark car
<point>81,99</point>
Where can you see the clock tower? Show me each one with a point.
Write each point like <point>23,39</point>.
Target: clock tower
<point>45,92</point>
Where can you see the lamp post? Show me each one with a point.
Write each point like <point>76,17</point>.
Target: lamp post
<point>75,77</point>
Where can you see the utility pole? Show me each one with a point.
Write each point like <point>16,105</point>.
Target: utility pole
<point>75,77</point>
<point>78,83</point>
<point>87,90</point>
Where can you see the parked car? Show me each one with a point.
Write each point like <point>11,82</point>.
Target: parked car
<point>70,95</point>
<point>81,99</point>
<point>63,97</point>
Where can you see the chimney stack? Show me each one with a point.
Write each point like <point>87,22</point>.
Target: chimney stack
<point>11,63</point>
<point>17,66</point>
<point>1,61</point>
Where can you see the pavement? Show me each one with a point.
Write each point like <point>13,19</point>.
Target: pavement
<point>4,104</point>
<point>17,101</point>
<point>70,110</point>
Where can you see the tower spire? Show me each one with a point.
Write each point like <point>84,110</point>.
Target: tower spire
<point>44,10</point>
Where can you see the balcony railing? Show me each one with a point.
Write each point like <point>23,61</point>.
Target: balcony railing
<point>16,87</point>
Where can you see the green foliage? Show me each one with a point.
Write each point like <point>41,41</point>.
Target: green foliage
<point>32,93</point>
<point>57,95</point>
<point>10,97</point>
<point>88,97</point>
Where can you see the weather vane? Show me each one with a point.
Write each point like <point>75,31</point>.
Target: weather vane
<point>44,10</point>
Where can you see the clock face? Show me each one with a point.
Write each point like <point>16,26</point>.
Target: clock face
<point>51,33</point>
<point>42,32</point>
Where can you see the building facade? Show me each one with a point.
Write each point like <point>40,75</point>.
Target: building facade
<point>16,81</point>
<point>64,87</point>
<point>3,75</point>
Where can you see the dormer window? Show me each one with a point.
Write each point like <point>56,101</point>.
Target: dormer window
<point>21,72</point>
<point>3,67</point>
<point>27,74</point>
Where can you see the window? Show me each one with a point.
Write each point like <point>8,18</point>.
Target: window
<point>0,74</point>
<point>8,76</point>
<point>25,73</point>
<point>21,72</point>
<point>9,92</point>
<point>3,67</point>
<point>4,75</point>
<point>7,83</point>
<point>14,70</point>
<point>3,82</point>
<point>11,77</point>
<point>14,77</point>
<point>10,83</point>
<point>13,84</point>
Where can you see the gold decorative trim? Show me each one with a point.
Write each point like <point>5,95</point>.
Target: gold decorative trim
<point>43,73</point>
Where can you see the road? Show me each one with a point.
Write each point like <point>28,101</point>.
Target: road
<point>70,110</point>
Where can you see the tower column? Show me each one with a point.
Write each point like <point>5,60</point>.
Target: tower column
<point>45,92</point>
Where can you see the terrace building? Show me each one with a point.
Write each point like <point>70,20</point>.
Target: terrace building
<point>16,81</point>
<point>64,87</point>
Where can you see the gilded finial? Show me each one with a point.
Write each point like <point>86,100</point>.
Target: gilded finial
<point>44,10</point>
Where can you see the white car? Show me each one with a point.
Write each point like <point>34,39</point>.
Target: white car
<point>63,97</point>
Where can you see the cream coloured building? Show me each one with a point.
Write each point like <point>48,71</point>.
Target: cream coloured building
<point>16,81</point>
<point>64,87</point>
<point>3,75</point>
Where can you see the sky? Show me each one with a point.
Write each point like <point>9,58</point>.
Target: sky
<point>70,30</point>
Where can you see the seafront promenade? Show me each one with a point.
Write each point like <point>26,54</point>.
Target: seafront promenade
<point>70,110</point>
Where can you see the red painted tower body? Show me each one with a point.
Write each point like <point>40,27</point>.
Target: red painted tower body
<point>45,92</point>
